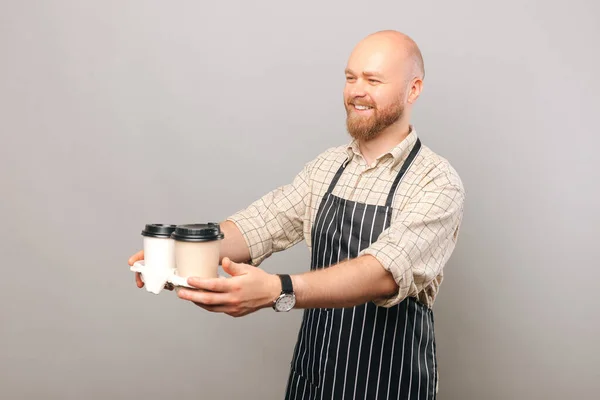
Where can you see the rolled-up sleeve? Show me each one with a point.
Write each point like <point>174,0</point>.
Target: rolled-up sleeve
<point>420,239</point>
<point>275,221</point>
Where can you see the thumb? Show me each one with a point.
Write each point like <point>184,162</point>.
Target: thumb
<point>233,268</point>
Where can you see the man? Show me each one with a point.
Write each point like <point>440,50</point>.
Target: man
<point>381,217</point>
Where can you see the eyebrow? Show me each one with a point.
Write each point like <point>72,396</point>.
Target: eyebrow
<point>365,73</point>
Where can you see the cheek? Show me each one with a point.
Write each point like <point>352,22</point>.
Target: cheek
<point>376,95</point>
<point>347,95</point>
<point>386,100</point>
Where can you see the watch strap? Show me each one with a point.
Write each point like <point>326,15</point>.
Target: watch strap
<point>286,284</point>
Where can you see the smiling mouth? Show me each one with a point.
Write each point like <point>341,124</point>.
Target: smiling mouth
<point>361,107</point>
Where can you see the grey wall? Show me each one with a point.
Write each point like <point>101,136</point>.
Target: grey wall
<point>114,114</point>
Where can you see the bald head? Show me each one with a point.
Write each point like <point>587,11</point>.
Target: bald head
<point>399,50</point>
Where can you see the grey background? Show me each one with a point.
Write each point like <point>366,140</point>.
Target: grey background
<point>114,114</point>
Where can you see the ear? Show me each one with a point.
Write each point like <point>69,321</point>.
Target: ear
<point>414,90</point>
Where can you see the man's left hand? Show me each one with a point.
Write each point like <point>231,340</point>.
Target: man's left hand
<point>247,290</point>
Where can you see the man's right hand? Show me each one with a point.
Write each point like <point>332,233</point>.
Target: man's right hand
<point>134,258</point>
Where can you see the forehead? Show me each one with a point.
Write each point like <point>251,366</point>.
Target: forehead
<point>377,57</point>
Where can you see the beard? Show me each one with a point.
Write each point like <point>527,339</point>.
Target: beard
<point>367,128</point>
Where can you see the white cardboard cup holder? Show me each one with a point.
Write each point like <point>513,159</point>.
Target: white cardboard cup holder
<point>156,279</point>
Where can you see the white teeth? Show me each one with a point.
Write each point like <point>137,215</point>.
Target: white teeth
<point>361,107</point>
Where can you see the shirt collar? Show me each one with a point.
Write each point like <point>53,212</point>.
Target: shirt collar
<point>399,153</point>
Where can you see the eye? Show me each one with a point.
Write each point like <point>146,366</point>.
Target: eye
<point>350,78</point>
<point>374,81</point>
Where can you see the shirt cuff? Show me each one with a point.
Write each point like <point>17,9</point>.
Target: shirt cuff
<point>390,264</point>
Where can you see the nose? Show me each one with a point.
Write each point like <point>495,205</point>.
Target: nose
<point>357,89</point>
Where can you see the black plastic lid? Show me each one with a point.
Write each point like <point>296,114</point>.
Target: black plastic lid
<point>158,230</point>
<point>198,232</point>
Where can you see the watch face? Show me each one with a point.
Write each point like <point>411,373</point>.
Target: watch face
<point>286,302</point>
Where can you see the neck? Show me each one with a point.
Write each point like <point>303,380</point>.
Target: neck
<point>384,141</point>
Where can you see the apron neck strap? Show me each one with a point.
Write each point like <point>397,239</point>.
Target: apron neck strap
<point>405,166</point>
<point>336,178</point>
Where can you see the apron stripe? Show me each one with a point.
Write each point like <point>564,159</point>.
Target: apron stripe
<point>336,345</point>
<point>358,245</point>
<point>372,227</point>
<point>323,345</point>
<point>364,319</point>
<point>313,354</point>
<point>335,231</point>
<point>316,261</point>
<point>412,350</point>
<point>316,232</point>
<point>327,352</point>
<point>314,329</point>
<point>293,384</point>
<point>337,355</point>
<point>328,239</point>
<point>375,338</point>
<point>387,396</point>
<point>343,224</point>
<point>367,230</point>
<point>348,353</point>
<point>312,336</point>
<point>287,387</point>
<point>419,355</point>
<point>304,328</point>
<point>371,352</point>
<point>312,344</point>
<point>296,387</point>
<point>387,211</point>
<point>304,389</point>
<point>427,347</point>
<point>387,311</point>
<point>435,373</point>
<point>406,316</point>
<point>348,255</point>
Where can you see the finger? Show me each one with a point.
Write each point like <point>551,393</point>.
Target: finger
<point>212,284</point>
<point>138,280</point>
<point>207,298</point>
<point>233,268</point>
<point>136,257</point>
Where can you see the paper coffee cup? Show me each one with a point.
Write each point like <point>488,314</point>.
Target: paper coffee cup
<point>197,250</point>
<point>159,255</point>
<point>158,246</point>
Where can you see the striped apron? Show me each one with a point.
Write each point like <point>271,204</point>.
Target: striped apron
<point>364,352</point>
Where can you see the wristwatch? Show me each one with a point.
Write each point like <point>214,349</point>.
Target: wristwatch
<point>287,299</point>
